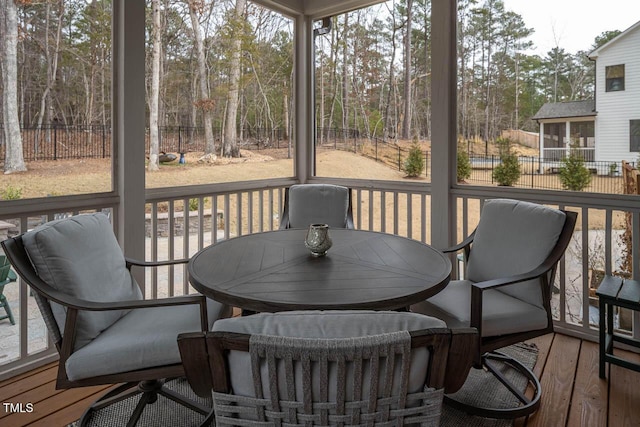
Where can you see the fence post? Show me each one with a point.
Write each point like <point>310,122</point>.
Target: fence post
<point>104,143</point>
<point>55,142</point>
<point>399,160</point>
<point>492,160</point>
<point>179,139</point>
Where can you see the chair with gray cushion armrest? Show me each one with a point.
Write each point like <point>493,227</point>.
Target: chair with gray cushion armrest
<point>306,204</point>
<point>103,329</point>
<point>327,367</point>
<point>511,260</point>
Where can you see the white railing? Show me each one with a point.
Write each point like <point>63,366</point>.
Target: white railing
<point>222,211</point>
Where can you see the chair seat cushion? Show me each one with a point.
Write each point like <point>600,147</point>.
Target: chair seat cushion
<point>324,325</point>
<point>80,257</point>
<point>144,338</point>
<point>502,313</point>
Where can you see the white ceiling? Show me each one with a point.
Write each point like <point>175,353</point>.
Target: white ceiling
<point>315,8</point>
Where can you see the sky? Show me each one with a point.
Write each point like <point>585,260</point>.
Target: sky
<point>576,23</point>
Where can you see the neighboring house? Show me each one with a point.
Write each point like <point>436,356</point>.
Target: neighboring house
<point>607,129</point>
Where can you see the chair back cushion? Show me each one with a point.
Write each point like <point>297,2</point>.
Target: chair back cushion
<point>80,257</point>
<point>331,325</point>
<point>318,203</point>
<point>514,237</point>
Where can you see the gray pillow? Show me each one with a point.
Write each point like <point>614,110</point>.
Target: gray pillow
<point>514,237</point>
<point>80,257</point>
<point>318,203</point>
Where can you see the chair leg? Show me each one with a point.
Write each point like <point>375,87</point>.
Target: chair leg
<point>527,405</point>
<point>4,303</point>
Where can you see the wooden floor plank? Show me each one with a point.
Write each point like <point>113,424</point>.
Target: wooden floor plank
<point>624,393</point>
<point>9,390</point>
<point>557,383</point>
<point>35,396</point>
<point>589,407</point>
<point>58,402</point>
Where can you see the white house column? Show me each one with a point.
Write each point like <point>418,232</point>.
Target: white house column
<point>541,144</point>
<point>567,137</point>
<point>303,98</point>
<point>129,124</point>
<point>444,136</point>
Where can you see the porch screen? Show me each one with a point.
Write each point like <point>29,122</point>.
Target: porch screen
<point>554,135</point>
<point>634,135</point>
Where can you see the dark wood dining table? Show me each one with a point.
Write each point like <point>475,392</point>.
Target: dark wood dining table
<point>274,271</point>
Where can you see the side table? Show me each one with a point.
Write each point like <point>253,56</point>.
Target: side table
<point>616,292</point>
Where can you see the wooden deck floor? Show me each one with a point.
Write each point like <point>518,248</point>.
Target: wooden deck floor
<point>573,394</point>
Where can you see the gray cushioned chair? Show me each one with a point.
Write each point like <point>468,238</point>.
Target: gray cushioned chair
<point>327,367</point>
<point>511,260</point>
<point>306,204</point>
<point>105,332</point>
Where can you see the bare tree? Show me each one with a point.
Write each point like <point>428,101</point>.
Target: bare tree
<point>230,143</point>
<point>205,104</point>
<point>14,160</point>
<point>406,122</point>
<point>154,99</point>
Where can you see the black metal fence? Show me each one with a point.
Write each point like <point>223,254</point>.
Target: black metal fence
<point>606,177</point>
<point>59,142</point>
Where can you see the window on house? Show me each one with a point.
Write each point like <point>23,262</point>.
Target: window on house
<point>634,135</point>
<point>614,78</point>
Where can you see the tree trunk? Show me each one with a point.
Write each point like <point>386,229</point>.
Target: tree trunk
<point>230,143</point>
<point>14,160</point>
<point>154,99</point>
<point>204,103</point>
<point>406,122</point>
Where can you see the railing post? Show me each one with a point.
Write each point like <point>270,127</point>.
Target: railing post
<point>399,160</point>
<point>104,143</point>
<point>179,139</point>
<point>426,163</point>
<point>55,142</point>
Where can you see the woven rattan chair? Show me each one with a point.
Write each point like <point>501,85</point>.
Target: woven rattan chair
<point>511,260</point>
<point>105,332</point>
<point>327,368</point>
<point>307,204</point>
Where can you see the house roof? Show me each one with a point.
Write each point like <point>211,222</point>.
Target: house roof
<point>558,110</point>
<point>596,52</point>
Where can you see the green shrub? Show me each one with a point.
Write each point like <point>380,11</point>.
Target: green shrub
<point>508,171</point>
<point>414,164</point>
<point>193,204</point>
<point>574,175</point>
<point>11,193</point>
<point>463,168</point>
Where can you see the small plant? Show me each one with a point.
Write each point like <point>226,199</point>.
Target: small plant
<point>613,169</point>
<point>193,204</point>
<point>463,166</point>
<point>11,193</point>
<point>508,171</point>
<point>414,164</point>
<point>574,175</point>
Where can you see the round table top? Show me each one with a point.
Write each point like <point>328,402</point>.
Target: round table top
<point>274,271</point>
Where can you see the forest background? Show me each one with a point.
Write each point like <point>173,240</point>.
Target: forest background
<point>227,66</point>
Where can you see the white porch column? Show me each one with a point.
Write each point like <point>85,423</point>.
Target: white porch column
<point>128,114</point>
<point>541,144</point>
<point>444,136</point>
<point>567,137</point>
<point>303,98</point>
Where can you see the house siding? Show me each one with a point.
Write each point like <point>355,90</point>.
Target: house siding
<point>616,109</point>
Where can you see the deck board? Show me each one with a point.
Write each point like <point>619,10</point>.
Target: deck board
<point>572,392</point>
<point>590,391</point>
<point>624,393</point>
<point>557,383</point>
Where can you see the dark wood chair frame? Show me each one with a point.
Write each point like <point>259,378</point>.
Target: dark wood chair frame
<point>149,382</point>
<point>204,356</point>
<point>284,222</point>
<point>485,353</point>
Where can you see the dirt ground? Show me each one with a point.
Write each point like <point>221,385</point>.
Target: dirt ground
<point>64,177</point>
